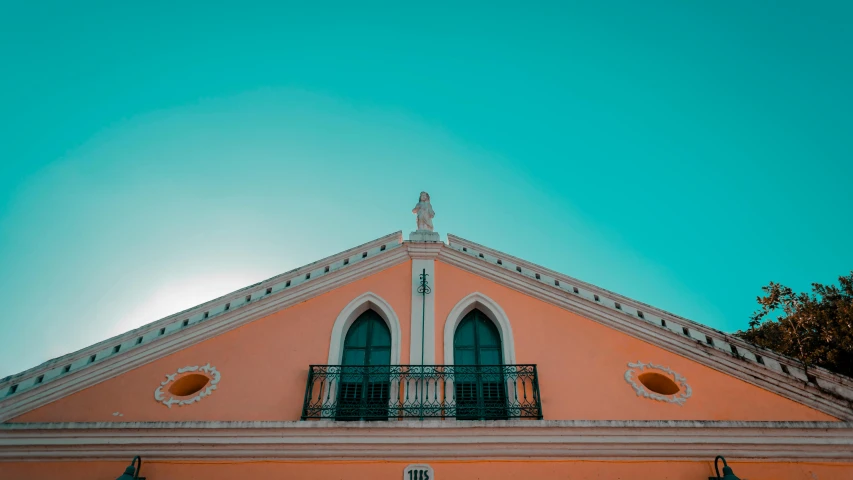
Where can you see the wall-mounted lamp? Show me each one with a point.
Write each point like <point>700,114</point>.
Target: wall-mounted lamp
<point>132,472</point>
<point>727,470</point>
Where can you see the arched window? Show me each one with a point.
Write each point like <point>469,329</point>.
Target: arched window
<point>479,381</point>
<point>368,341</point>
<point>364,389</point>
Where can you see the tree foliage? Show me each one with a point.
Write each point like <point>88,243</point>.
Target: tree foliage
<point>815,328</point>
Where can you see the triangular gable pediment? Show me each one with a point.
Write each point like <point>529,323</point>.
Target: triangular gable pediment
<point>824,391</point>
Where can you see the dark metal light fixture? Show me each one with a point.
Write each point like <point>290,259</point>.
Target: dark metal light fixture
<point>727,470</point>
<point>132,472</point>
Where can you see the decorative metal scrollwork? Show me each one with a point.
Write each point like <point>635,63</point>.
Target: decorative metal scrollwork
<point>406,392</point>
<point>423,288</point>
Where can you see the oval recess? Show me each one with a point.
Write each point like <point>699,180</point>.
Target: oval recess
<point>181,389</point>
<point>658,383</point>
<point>188,384</point>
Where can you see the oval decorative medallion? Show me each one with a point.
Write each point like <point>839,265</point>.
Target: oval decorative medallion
<point>658,383</point>
<point>188,385</point>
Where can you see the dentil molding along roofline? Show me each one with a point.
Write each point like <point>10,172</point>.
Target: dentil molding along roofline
<point>817,388</point>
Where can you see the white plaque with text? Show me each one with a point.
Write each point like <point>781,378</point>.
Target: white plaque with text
<point>418,471</point>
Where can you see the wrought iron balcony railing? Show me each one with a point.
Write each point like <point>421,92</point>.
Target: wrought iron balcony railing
<point>411,392</point>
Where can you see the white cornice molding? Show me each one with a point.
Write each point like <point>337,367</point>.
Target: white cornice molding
<point>431,440</point>
<point>424,250</point>
<point>20,403</point>
<point>689,347</point>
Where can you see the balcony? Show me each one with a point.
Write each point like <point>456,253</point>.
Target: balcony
<point>417,392</point>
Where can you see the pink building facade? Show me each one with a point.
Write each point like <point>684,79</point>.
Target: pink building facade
<point>424,358</point>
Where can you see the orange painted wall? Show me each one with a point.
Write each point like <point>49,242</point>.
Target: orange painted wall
<point>264,364</point>
<point>582,364</point>
<point>575,470</point>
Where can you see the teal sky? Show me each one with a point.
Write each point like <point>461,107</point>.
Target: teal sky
<point>154,155</point>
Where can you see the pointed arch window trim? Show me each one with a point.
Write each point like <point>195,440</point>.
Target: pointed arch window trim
<point>493,311</point>
<point>348,316</point>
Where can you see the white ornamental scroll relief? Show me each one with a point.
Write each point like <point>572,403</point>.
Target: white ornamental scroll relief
<point>206,370</point>
<point>639,368</point>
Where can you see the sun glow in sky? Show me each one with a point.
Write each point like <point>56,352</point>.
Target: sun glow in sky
<point>178,295</point>
<point>682,155</point>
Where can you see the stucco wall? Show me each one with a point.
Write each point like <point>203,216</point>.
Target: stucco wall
<point>582,364</point>
<point>575,470</point>
<point>264,364</point>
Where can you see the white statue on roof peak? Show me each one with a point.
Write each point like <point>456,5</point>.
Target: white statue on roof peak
<point>424,212</point>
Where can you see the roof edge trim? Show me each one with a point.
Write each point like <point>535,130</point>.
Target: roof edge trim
<point>825,391</point>
<point>157,330</point>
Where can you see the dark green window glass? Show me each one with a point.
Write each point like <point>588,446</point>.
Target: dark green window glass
<point>364,390</point>
<point>368,341</point>
<point>479,380</point>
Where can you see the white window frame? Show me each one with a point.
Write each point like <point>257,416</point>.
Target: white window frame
<point>492,310</point>
<point>350,314</point>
